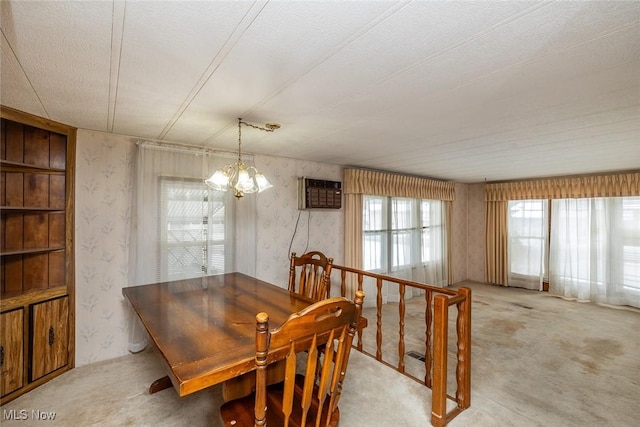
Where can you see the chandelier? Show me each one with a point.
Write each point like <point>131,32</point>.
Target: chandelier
<point>236,176</point>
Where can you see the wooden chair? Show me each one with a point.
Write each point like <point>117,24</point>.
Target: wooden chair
<point>309,275</point>
<point>300,400</point>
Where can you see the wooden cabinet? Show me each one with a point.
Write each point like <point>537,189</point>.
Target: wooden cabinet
<point>11,351</point>
<point>50,336</point>
<point>37,159</point>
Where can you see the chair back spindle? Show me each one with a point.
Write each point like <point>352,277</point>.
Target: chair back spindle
<point>310,275</point>
<point>314,373</point>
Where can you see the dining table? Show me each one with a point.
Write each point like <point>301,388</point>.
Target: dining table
<point>204,328</point>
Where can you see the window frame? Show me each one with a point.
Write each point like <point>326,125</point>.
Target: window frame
<point>388,260</point>
<point>164,261</point>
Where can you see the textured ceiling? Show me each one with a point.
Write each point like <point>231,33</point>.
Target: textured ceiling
<point>464,91</point>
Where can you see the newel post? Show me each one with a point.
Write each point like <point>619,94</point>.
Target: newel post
<point>463,370</point>
<point>440,342</point>
<point>262,332</point>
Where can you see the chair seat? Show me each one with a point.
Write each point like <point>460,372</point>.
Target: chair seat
<point>240,412</point>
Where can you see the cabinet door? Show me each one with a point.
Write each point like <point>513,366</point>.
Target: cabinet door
<point>50,336</point>
<point>11,350</point>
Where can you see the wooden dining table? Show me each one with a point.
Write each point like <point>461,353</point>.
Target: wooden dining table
<point>204,328</point>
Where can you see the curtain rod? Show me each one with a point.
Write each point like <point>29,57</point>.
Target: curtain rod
<point>183,148</point>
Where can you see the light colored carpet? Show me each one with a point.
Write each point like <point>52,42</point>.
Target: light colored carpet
<point>115,393</point>
<point>536,361</point>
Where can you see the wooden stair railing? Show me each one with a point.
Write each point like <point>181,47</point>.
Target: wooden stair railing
<point>438,302</point>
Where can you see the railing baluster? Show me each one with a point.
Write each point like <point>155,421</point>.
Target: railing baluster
<point>359,347</point>
<point>401,308</point>
<point>428,321</point>
<point>379,320</point>
<point>438,302</point>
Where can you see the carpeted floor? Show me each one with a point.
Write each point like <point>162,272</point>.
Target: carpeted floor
<point>536,361</point>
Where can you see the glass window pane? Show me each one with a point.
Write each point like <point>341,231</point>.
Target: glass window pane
<point>192,229</point>
<point>373,251</point>
<point>426,245</point>
<point>374,218</point>
<point>402,213</point>
<point>400,233</point>
<point>401,248</point>
<point>527,240</point>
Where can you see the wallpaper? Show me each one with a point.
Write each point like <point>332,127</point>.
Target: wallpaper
<point>104,194</point>
<point>459,234</point>
<point>475,232</point>
<point>283,229</point>
<point>104,185</point>
<point>103,216</point>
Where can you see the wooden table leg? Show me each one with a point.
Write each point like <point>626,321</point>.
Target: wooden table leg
<point>244,384</point>
<point>160,384</point>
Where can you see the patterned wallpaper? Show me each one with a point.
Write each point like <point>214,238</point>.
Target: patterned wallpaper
<point>278,214</point>
<point>104,184</point>
<point>459,234</point>
<point>475,232</point>
<point>103,216</point>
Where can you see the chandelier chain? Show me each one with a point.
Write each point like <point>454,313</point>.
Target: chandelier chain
<point>239,141</point>
<point>270,127</point>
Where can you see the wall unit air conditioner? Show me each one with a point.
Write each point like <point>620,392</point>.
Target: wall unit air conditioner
<point>319,194</point>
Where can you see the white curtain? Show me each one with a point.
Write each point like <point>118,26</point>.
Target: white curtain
<point>434,243</point>
<point>181,227</point>
<point>406,239</point>
<point>527,230</point>
<point>595,250</point>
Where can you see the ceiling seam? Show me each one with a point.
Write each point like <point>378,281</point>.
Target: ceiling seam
<point>538,57</point>
<point>494,153</point>
<point>436,55</point>
<point>531,156</point>
<point>536,137</point>
<point>118,11</point>
<point>348,41</point>
<point>533,125</point>
<point>213,66</point>
<point>469,39</point>
<point>24,73</point>
<point>592,114</point>
<point>518,64</point>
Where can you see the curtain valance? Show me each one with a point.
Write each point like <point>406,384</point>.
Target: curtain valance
<point>376,183</point>
<point>611,185</point>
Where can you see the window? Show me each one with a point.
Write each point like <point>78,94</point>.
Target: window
<point>527,228</point>
<point>595,249</point>
<point>192,229</point>
<point>401,233</point>
<point>374,227</point>
<point>630,243</point>
<point>182,228</point>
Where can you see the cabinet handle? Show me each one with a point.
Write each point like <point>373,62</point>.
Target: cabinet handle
<point>52,335</point>
<point>1,355</point>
